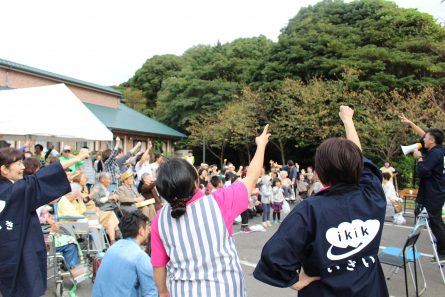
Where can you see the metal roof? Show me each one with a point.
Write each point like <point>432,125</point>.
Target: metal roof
<point>23,68</point>
<point>125,118</point>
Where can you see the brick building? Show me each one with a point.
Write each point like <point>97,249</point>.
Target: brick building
<point>105,102</point>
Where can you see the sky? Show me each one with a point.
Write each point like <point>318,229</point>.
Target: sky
<point>105,42</point>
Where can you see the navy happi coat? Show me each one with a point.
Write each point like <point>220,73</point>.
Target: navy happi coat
<point>334,235</point>
<point>22,249</point>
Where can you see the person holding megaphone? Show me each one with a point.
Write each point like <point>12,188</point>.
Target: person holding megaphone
<point>430,170</point>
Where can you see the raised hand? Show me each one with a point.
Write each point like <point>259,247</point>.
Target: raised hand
<point>346,113</point>
<point>83,154</point>
<point>404,119</point>
<point>263,139</point>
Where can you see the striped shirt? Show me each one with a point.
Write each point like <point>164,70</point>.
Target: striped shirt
<point>198,248</point>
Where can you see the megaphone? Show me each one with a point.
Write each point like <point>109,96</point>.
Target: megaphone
<point>408,149</point>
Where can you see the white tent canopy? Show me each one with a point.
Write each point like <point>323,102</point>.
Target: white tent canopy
<point>49,113</point>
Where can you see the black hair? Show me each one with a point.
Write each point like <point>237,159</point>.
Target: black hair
<point>437,135</point>
<point>131,222</point>
<point>39,146</point>
<point>276,180</point>
<point>176,183</point>
<point>230,176</point>
<point>4,144</point>
<point>215,180</point>
<point>201,170</point>
<point>338,160</point>
<point>290,163</point>
<point>9,155</point>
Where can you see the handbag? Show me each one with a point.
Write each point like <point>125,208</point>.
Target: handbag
<point>397,206</point>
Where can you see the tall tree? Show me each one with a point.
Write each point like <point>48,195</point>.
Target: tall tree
<point>391,47</point>
<point>151,77</point>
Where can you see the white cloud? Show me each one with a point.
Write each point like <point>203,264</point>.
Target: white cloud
<point>105,42</point>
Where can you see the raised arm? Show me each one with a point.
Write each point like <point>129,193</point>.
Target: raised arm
<point>256,165</point>
<point>84,153</point>
<point>346,113</point>
<point>419,131</point>
<point>146,155</point>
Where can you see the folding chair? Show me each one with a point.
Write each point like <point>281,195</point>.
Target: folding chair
<point>401,257</point>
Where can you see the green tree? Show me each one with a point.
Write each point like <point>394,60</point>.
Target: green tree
<point>393,48</point>
<point>134,99</point>
<point>229,127</point>
<point>150,78</point>
<point>211,77</point>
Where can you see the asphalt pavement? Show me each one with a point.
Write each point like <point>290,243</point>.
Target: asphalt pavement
<point>249,250</point>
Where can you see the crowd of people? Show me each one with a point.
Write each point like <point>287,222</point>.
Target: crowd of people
<point>164,218</point>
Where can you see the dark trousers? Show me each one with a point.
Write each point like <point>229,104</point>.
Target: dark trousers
<point>438,228</point>
<point>245,218</point>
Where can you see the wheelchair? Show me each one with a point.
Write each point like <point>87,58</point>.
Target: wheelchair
<point>92,240</point>
<point>57,267</point>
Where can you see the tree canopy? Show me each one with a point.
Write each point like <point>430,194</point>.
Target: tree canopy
<point>391,47</point>
<point>380,59</point>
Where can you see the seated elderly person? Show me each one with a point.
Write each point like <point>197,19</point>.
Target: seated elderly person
<point>80,179</point>
<point>64,244</point>
<point>106,202</point>
<point>129,196</point>
<point>72,204</point>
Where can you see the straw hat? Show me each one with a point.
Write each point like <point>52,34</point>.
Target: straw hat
<point>126,175</point>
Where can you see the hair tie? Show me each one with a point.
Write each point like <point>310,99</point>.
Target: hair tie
<point>179,202</point>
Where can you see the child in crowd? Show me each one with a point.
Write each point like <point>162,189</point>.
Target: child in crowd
<point>266,197</point>
<point>216,183</point>
<point>277,201</point>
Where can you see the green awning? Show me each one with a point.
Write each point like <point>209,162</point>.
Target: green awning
<point>127,119</point>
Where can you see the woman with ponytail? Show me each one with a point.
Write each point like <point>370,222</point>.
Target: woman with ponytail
<point>191,236</point>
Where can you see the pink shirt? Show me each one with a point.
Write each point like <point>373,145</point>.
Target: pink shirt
<point>232,201</point>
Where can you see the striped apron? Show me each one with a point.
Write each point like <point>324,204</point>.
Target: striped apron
<point>203,257</point>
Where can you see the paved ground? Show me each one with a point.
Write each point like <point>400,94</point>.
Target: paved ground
<point>249,249</point>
